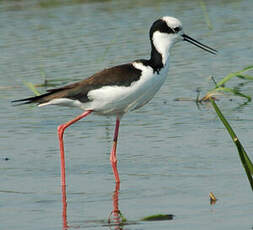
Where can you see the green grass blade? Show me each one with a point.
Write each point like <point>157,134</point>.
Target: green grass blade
<point>225,79</point>
<point>32,88</point>
<point>236,74</point>
<point>208,21</point>
<point>233,91</point>
<point>43,75</point>
<point>246,162</point>
<point>246,69</point>
<point>245,157</point>
<point>224,121</point>
<point>245,76</point>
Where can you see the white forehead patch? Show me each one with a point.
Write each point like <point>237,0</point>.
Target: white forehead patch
<point>172,22</point>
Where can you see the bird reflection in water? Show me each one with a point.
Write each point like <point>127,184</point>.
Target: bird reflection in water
<point>115,219</point>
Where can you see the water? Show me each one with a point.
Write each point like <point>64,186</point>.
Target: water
<point>171,154</point>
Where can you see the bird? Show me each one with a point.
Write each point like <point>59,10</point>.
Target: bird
<point>119,89</point>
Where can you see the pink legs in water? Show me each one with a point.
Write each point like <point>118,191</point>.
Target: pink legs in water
<point>113,157</point>
<point>64,208</point>
<point>61,129</point>
<point>115,215</point>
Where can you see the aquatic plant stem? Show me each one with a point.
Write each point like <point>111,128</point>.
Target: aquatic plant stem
<point>246,162</point>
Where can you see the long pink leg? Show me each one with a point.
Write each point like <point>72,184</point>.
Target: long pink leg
<point>61,129</point>
<point>113,157</point>
<point>64,209</point>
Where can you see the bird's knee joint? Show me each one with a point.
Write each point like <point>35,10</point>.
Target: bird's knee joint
<point>113,160</point>
<point>61,129</point>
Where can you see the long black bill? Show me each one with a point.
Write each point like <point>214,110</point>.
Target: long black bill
<point>198,44</point>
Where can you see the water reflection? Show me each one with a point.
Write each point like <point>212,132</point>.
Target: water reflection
<point>115,220</point>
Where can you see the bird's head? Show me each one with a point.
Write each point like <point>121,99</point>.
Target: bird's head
<point>168,30</point>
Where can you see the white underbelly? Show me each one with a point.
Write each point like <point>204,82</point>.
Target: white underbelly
<point>112,100</point>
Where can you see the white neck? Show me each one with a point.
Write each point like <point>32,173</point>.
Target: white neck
<point>163,43</point>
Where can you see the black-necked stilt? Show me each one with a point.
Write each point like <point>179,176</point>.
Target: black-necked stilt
<point>119,89</point>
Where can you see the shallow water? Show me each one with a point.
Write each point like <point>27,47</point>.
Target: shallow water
<point>171,154</point>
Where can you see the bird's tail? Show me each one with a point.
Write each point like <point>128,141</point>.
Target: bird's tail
<point>51,94</point>
<point>37,99</point>
<point>47,97</point>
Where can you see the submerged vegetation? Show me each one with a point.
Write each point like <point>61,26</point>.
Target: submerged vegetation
<point>158,217</point>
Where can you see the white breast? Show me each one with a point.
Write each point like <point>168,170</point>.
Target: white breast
<point>120,99</point>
